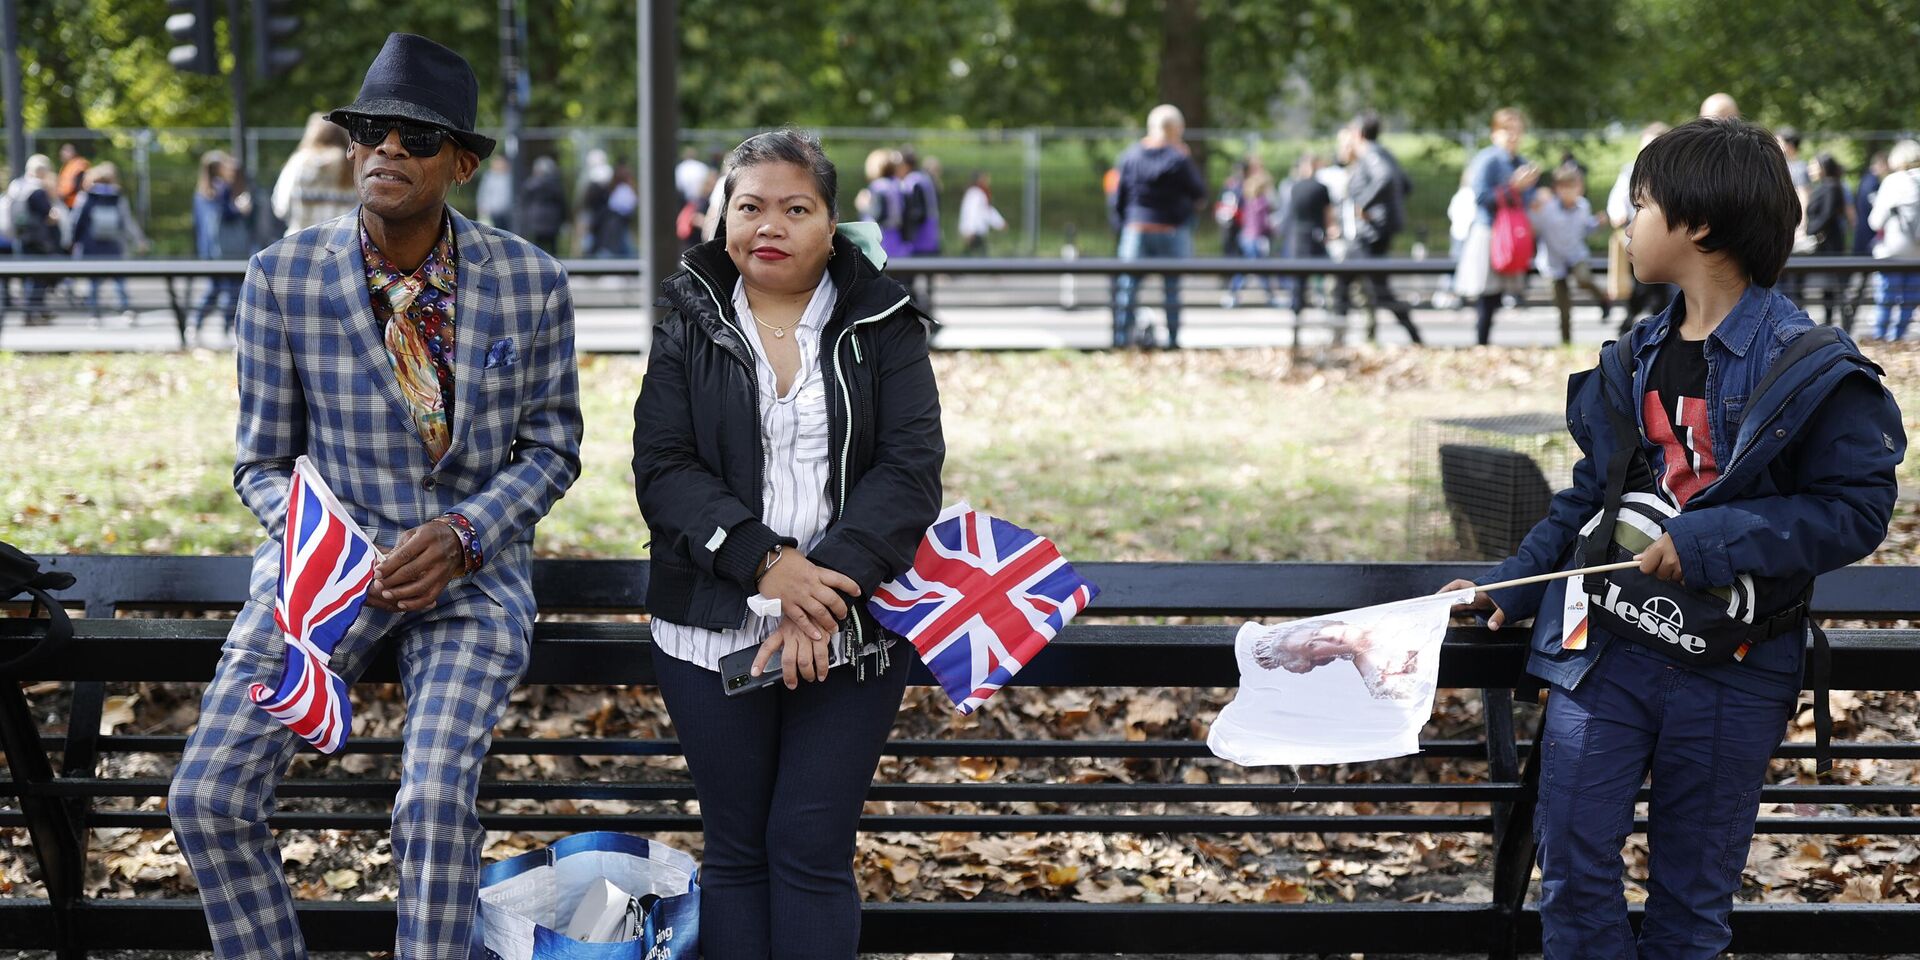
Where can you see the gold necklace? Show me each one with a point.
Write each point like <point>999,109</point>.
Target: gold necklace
<point>780,331</point>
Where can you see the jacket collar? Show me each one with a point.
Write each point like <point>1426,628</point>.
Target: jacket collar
<point>855,280</point>
<point>1736,333</point>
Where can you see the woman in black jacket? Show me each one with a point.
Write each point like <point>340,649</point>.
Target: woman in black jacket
<point>1828,224</point>
<point>787,454</point>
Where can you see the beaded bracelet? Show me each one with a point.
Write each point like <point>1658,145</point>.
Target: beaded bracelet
<point>469,544</point>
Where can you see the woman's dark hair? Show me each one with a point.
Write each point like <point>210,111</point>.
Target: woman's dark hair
<point>1829,167</point>
<point>803,150</point>
<point>1731,177</point>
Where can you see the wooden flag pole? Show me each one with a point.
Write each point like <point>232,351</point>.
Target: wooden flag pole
<point>1542,578</point>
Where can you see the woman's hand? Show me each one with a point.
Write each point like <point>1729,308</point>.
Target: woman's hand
<point>804,658</point>
<point>1525,177</point>
<point>812,598</point>
<point>1481,604</point>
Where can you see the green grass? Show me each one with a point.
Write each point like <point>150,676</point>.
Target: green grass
<point>1236,455</point>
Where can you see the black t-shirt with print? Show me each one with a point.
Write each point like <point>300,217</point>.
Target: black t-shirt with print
<point>1674,413</point>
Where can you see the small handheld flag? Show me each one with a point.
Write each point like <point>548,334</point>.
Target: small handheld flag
<point>983,596</point>
<point>326,568</point>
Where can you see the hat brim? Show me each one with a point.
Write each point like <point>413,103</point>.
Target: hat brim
<point>406,110</point>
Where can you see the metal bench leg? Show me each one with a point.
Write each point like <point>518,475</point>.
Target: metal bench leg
<point>56,839</point>
<point>1513,855</point>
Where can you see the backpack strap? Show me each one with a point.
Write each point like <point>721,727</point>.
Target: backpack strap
<point>1626,442</point>
<point>1820,681</point>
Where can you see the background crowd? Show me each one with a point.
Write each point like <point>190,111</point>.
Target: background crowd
<point>1352,201</point>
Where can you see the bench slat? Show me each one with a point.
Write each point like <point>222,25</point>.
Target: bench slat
<point>1126,589</point>
<point>1083,655</point>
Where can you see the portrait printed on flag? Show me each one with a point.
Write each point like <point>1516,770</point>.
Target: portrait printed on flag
<point>1344,688</point>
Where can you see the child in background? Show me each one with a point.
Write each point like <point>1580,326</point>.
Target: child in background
<point>1563,219</point>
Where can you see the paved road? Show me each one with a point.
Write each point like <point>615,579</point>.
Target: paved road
<point>976,313</point>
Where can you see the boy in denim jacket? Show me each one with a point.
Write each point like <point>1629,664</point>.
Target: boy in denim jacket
<point>1779,484</point>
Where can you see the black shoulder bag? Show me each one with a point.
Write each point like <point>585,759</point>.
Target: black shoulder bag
<point>20,573</point>
<point>1692,626</point>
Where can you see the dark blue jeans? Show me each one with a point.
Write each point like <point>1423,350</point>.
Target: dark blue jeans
<point>1142,245</point>
<point>1707,746</point>
<point>781,776</point>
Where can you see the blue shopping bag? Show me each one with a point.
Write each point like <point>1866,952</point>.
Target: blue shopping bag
<point>526,901</point>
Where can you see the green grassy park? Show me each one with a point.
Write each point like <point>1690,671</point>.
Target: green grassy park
<point>1242,455</point>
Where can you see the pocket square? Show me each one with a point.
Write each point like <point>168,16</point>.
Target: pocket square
<point>502,354</point>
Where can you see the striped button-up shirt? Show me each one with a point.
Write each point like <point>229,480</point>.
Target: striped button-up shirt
<point>793,492</point>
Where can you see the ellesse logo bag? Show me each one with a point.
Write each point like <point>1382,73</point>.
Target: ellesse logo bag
<point>1693,626</point>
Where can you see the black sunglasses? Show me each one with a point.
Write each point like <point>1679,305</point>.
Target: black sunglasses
<point>419,139</point>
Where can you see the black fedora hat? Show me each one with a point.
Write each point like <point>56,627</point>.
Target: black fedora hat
<point>416,79</point>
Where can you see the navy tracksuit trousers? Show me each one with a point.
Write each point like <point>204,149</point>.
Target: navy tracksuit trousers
<point>1707,746</point>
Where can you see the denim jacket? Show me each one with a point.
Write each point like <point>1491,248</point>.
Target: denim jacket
<point>1807,483</point>
<point>1490,170</point>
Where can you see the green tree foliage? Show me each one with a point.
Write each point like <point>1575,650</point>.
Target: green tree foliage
<point>986,63</point>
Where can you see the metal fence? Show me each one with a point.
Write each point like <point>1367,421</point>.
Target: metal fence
<point>1045,181</point>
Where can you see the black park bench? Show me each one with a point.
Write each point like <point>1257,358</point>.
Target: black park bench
<point>56,787</point>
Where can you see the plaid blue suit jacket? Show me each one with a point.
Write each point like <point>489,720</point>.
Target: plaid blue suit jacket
<point>315,379</point>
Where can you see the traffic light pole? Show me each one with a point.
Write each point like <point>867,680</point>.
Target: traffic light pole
<point>10,80</point>
<point>238,78</point>
<point>659,120</point>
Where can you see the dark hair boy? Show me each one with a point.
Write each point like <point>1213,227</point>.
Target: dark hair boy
<point>1770,460</point>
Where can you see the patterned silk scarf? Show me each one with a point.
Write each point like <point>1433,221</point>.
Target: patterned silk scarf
<point>417,310</point>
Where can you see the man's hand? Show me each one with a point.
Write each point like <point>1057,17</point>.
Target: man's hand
<point>812,598</point>
<point>1661,560</point>
<point>414,574</point>
<point>1481,604</point>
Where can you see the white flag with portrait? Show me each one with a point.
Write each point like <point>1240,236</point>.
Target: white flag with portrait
<point>1343,688</point>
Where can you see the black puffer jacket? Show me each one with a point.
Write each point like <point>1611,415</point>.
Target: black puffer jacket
<point>698,459</point>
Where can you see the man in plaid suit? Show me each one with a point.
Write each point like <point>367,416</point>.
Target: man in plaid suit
<point>425,364</point>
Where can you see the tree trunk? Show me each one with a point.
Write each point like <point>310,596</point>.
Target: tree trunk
<point>1183,66</point>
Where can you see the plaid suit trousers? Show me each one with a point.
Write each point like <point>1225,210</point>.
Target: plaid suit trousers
<point>458,663</point>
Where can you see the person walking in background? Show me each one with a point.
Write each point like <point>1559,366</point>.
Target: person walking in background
<point>690,176</point>
<point>73,174</point>
<point>880,202</point>
<point>1563,219</point>
<point>1307,218</point>
<point>613,235</point>
<point>493,199</point>
<point>542,210</point>
<point>1793,285</point>
<point>1255,235</point>
<point>596,185</point>
<point>316,185</point>
<point>1377,191</point>
<point>920,206</point>
<point>1829,224</point>
<point>221,206</point>
<point>1720,106</point>
<point>35,213</point>
<point>978,216</point>
<point>1226,209</point>
<point>1643,299</point>
<point>1498,175</point>
<point>1896,218</point>
<point>1875,171</point>
<point>103,227</point>
<point>1159,189</point>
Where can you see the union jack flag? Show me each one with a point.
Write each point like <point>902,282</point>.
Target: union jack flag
<point>326,567</point>
<point>982,598</point>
